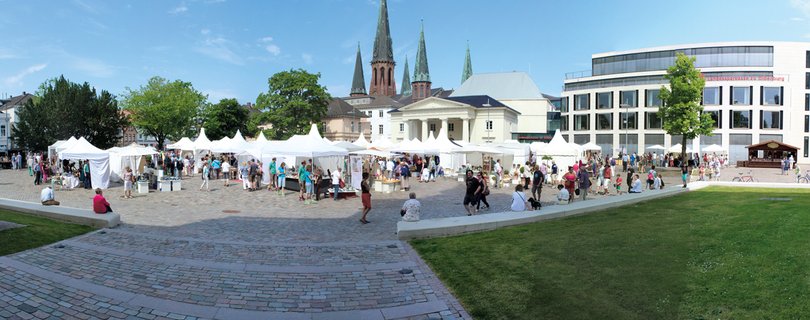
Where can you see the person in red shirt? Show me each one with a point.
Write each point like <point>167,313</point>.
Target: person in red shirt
<point>100,205</point>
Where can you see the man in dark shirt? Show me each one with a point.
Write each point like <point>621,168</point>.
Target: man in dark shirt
<point>470,196</point>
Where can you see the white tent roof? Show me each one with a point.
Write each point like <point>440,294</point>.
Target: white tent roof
<point>590,146</point>
<point>310,145</point>
<point>381,143</point>
<point>656,147</point>
<point>238,138</point>
<point>183,144</point>
<point>714,148</point>
<point>59,146</point>
<point>202,142</point>
<point>372,153</point>
<point>414,146</point>
<point>677,148</point>
<point>261,137</point>
<point>558,147</point>
<point>347,145</point>
<point>443,143</point>
<point>361,141</point>
<point>133,149</point>
<point>82,149</point>
<point>473,148</point>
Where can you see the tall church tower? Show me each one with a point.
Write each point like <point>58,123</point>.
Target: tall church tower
<point>467,73</point>
<point>420,86</point>
<point>382,64</point>
<point>359,81</point>
<point>406,79</point>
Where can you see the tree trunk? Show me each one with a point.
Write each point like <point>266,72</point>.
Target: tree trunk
<point>160,139</point>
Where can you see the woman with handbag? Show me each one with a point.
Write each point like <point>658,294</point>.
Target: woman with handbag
<point>569,181</point>
<point>519,200</point>
<point>482,196</point>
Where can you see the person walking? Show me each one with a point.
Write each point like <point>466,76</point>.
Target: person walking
<point>282,178</point>
<point>226,172</point>
<point>537,183</point>
<point>684,172</point>
<point>365,198</point>
<point>482,195</point>
<point>243,171</point>
<point>37,174</point>
<point>273,176</point>
<point>569,181</point>
<point>206,170</point>
<point>473,186</point>
<point>307,177</point>
<point>336,183</point>
<point>404,175</point>
<point>584,183</point>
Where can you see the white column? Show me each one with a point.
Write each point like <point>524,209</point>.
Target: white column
<point>444,126</point>
<point>406,135</point>
<point>465,130</point>
<point>424,130</point>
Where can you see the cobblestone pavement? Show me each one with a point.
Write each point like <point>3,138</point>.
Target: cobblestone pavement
<point>233,254</point>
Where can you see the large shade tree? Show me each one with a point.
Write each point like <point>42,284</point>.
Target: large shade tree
<point>224,118</point>
<point>164,109</point>
<point>293,102</point>
<point>681,110</point>
<point>63,109</point>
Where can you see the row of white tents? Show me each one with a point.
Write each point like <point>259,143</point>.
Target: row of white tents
<point>104,164</point>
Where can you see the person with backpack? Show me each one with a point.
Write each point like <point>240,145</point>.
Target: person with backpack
<point>537,183</point>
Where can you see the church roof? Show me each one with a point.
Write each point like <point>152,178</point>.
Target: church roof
<point>421,73</point>
<point>358,81</point>
<point>467,73</point>
<point>406,80</point>
<point>383,50</point>
<point>338,108</point>
<point>502,85</point>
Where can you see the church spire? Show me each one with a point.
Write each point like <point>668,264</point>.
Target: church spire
<point>406,79</point>
<point>421,75</point>
<point>382,62</point>
<point>467,66</point>
<point>359,81</point>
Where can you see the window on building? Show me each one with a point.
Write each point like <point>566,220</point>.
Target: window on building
<point>381,129</point>
<point>489,124</point>
<point>381,113</point>
<point>807,60</point>
<point>806,123</point>
<point>582,122</point>
<point>711,96</point>
<point>807,80</point>
<point>629,120</point>
<point>401,127</point>
<point>604,121</point>
<point>653,121</point>
<point>653,98</point>
<point>432,127</point>
<point>770,119</point>
<point>807,102</point>
<point>564,123</point>
<point>771,96</point>
<point>806,146</point>
<point>741,95</point>
<point>2,131</point>
<point>451,127</point>
<point>604,100</point>
<point>582,102</point>
<point>741,119</point>
<point>628,99</point>
<point>717,117</point>
<point>564,104</point>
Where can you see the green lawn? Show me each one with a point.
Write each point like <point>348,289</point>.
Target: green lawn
<point>37,232</point>
<point>718,253</point>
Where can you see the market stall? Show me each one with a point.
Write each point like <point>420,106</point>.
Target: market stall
<point>99,161</point>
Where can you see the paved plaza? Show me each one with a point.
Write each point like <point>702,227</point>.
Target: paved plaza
<point>232,254</point>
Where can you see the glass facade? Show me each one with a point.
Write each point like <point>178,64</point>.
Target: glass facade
<point>806,123</point>
<point>653,98</point>
<point>771,119</point>
<point>604,121</point>
<point>735,56</point>
<point>564,123</point>
<point>741,119</point>
<point>741,95</point>
<point>628,99</point>
<point>564,104</point>
<point>582,102</point>
<point>717,116</point>
<point>629,120</point>
<point>806,146</point>
<point>807,102</point>
<point>711,96</point>
<point>652,121</point>
<point>604,100</point>
<point>582,122</point>
<point>654,80</point>
<point>771,96</point>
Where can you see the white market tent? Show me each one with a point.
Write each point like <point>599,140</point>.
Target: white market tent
<point>202,142</point>
<point>656,147</point>
<point>261,137</point>
<point>184,144</point>
<point>309,146</point>
<point>348,145</point>
<point>60,145</point>
<point>447,158</point>
<point>372,152</point>
<point>677,148</point>
<point>414,146</point>
<point>714,148</point>
<point>129,156</point>
<point>99,161</point>
<point>381,143</point>
<point>560,151</point>
<point>361,141</point>
<point>590,146</point>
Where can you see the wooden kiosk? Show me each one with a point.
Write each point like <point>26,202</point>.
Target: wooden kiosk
<point>768,154</point>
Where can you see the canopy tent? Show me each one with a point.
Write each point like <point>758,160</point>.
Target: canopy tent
<point>261,137</point>
<point>371,152</point>
<point>184,144</point>
<point>677,148</point>
<point>590,146</point>
<point>414,146</point>
<point>656,147</point>
<point>520,151</point>
<point>311,146</point>
<point>228,145</point>
<point>99,161</point>
<point>714,148</point>
<point>202,142</point>
<point>361,141</point>
<point>60,145</point>
<point>381,143</point>
<point>560,151</point>
<point>129,156</point>
<point>348,146</point>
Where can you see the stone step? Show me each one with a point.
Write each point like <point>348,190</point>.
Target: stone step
<point>352,254</point>
<point>328,291</point>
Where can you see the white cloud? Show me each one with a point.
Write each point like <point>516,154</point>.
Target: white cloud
<point>205,31</point>
<point>214,95</point>
<point>94,67</point>
<point>220,48</point>
<point>802,5</point>
<point>16,80</point>
<point>307,58</point>
<point>179,9</point>
<point>796,19</point>
<point>266,39</point>
<point>273,49</point>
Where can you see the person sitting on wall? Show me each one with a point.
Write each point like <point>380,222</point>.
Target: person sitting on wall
<point>100,205</point>
<point>47,197</point>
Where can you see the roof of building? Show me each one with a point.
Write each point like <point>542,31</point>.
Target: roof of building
<point>502,85</point>
<point>383,50</point>
<point>421,72</point>
<point>467,72</point>
<point>434,92</point>
<point>338,108</point>
<point>550,97</point>
<point>15,101</point>
<point>358,81</point>
<point>479,101</point>
<point>406,80</point>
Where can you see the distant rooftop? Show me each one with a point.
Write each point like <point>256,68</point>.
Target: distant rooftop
<point>501,86</point>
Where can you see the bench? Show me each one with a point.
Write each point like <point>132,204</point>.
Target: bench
<point>67,214</point>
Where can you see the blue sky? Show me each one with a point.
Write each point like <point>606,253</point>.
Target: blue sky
<point>228,48</point>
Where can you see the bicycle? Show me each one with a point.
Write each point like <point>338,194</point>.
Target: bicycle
<point>742,178</point>
<point>803,178</point>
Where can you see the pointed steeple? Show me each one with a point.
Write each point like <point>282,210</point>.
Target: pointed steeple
<point>420,71</point>
<point>383,51</point>
<point>406,79</point>
<point>382,62</point>
<point>467,66</point>
<point>359,81</point>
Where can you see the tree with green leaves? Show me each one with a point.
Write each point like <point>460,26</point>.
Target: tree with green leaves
<point>293,102</point>
<point>224,118</point>
<point>63,109</point>
<point>681,110</point>
<point>165,109</point>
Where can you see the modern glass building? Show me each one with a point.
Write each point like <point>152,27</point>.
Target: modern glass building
<point>755,91</point>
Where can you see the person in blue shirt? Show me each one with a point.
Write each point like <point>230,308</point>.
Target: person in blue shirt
<point>307,177</point>
<point>405,174</point>
<point>282,178</point>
